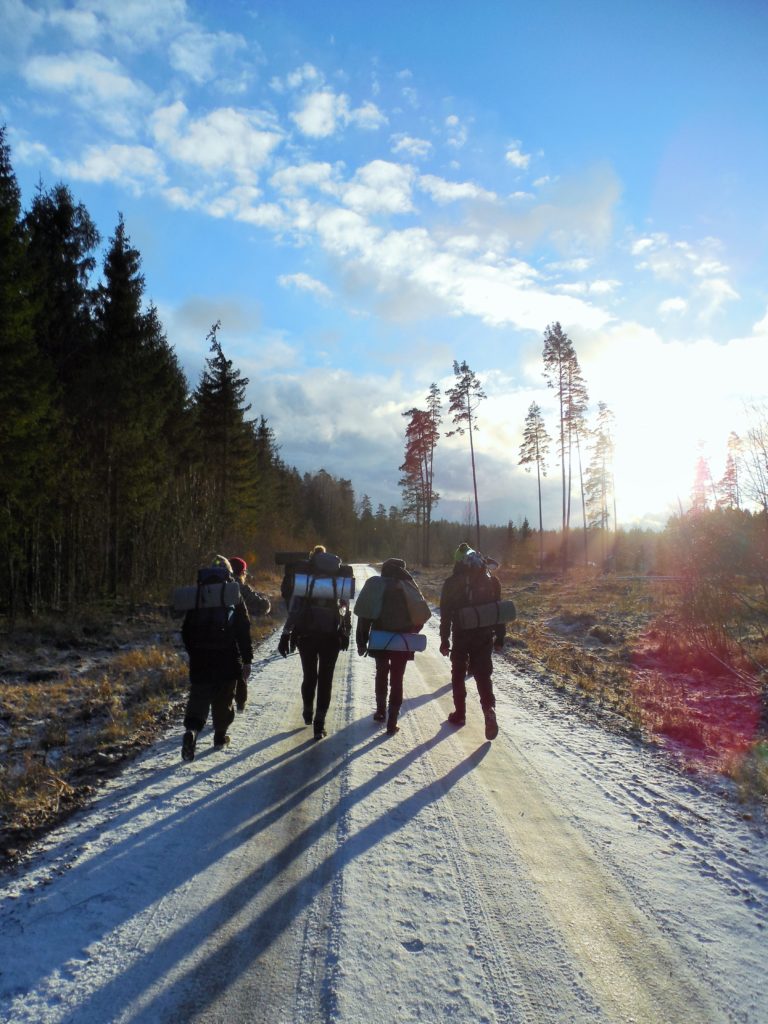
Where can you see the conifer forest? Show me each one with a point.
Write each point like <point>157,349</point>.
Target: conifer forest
<point>117,475</point>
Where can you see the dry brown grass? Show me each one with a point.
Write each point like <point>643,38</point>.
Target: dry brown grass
<point>672,670</point>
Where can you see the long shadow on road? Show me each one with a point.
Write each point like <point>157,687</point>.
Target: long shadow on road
<point>241,951</point>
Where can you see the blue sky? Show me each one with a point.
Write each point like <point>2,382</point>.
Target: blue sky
<point>363,193</point>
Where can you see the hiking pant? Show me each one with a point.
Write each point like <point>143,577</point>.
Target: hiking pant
<point>390,669</point>
<point>472,651</point>
<point>318,659</point>
<point>214,695</point>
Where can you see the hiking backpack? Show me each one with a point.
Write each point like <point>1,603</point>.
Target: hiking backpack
<point>211,626</point>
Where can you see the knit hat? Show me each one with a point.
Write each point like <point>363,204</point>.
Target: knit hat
<point>239,567</point>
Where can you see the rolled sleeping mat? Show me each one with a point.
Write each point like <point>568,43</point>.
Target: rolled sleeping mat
<point>324,586</point>
<point>212,595</point>
<point>383,640</point>
<point>290,557</point>
<point>491,614</point>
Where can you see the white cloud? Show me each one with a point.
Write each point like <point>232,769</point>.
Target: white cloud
<point>200,55</point>
<point>380,187</point>
<point>293,181</point>
<point>138,23</point>
<point>642,245</point>
<point>443,191</point>
<point>761,327</point>
<point>715,292</point>
<point>81,25</point>
<point>516,157</point>
<point>234,202</point>
<point>306,74</point>
<point>320,114</point>
<point>457,132</point>
<point>304,283</point>
<point>672,306</point>
<point>416,148</point>
<point>97,84</point>
<point>368,117</point>
<point>578,265</point>
<point>132,166</point>
<point>226,141</point>
<point>603,286</point>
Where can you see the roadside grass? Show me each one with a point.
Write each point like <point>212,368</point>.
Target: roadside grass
<point>682,667</point>
<point>79,697</point>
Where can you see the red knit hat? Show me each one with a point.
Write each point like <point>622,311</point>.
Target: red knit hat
<point>238,566</point>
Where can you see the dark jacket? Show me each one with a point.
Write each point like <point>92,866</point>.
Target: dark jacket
<point>460,590</point>
<point>256,603</point>
<point>223,664</point>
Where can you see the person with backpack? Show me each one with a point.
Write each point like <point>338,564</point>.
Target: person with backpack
<point>257,604</point>
<point>318,624</point>
<point>217,636</point>
<point>465,595</point>
<point>392,603</point>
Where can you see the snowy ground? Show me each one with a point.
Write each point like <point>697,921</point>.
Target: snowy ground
<point>556,874</point>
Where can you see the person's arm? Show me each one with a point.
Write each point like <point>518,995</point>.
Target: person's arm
<point>243,633</point>
<point>362,634</point>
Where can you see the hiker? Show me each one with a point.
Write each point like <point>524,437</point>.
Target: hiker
<point>318,624</point>
<point>396,606</point>
<point>217,637</point>
<point>257,604</point>
<point>471,585</point>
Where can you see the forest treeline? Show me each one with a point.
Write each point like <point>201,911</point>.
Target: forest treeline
<point>117,475</point>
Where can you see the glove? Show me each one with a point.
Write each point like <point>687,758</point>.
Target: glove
<point>445,648</point>
<point>283,646</point>
<point>246,672</point>
<point>361,649</point>
<point>343,642</point>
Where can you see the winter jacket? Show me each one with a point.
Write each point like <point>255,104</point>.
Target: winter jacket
<point>207,665</point>
<point>463,588</point>
<point>256,603</point>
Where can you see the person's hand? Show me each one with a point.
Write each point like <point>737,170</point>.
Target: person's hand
<point>445,648</point>
<point>246,671</point>
<point>283,646</point>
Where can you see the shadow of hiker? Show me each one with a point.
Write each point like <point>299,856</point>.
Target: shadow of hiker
<point>244,948</point>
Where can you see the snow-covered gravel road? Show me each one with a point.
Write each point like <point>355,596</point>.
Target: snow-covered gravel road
<point>557,874</point>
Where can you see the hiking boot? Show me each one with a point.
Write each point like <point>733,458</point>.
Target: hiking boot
<point>320,730</point>
<point>379,716</point>
<point>220,739</point>
<point>188,745</point>
<point>241,706</point>
<point>491,725</point>
<point>457,718</point>
<point>307,714</point>
<point>392,726</point>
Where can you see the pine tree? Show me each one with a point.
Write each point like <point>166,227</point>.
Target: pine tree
<point>464,398</point>
<point>535,449</point>
<point>28,422</point>
<point>599,483</point>
<point>558,354</point>
<point>421,436</point>
<point>61,238</point>
<point>226,456</point>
